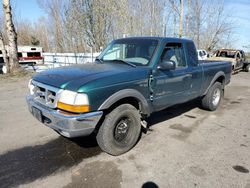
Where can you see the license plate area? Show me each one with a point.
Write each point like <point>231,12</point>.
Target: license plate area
<point>37,114</point>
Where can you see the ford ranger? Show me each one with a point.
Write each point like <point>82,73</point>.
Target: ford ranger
<point>131,79</point>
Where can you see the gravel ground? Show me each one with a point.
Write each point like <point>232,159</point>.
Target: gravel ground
<point>185,147</point>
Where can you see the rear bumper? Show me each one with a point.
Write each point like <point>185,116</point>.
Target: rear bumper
<point>66,125</point>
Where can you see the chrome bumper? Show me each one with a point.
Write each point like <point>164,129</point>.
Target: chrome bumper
<point>66,125</point>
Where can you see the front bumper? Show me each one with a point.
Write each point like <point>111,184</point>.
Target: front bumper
<point>66,125</point>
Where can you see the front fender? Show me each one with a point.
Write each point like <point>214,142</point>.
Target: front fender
<point>145,107</point>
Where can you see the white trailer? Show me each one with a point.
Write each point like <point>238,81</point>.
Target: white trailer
<point>30,55</point>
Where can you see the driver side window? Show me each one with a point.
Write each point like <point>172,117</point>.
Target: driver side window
<point>174,52</point>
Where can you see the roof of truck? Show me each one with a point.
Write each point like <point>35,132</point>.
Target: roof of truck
<point>158,38</point>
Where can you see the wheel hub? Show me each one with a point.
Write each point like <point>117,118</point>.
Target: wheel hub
<point>121,130</point>
<point>216,97</point>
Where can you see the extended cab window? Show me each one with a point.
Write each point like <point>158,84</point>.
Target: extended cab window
<point>192,54</point>
<point>174,52</point>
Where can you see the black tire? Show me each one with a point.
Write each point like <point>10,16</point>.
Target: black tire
<point>247,69</point>
<point>120,130</point>
<point>212,99</point>
<point>233,70</point>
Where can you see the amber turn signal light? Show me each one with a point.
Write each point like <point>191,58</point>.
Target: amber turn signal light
<point>73,108</point>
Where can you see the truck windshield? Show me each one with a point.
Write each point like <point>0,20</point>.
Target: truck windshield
<point>135,51</point>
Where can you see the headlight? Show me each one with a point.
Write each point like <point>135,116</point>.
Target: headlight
<point>31,87</point>
<point>73,102</point>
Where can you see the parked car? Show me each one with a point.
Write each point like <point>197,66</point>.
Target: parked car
<point>131,79</point>
<point>236,57</point>
<point>202,54</point>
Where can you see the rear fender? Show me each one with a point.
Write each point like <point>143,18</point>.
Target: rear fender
<point>217,75</point>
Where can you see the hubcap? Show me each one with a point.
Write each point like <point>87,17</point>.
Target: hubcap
<point>216,97</point>
<point>121,130</point>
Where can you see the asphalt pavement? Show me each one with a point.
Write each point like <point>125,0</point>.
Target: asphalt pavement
<point>184,147</point>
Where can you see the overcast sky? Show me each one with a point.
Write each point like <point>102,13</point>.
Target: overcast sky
<point>238,9</point>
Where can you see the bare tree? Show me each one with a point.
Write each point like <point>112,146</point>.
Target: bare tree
<point>188,18</point>
<point>95,19</point>
<point>181,19</point>
<point>24,31</point>
<point>78,25</point>
<point>4,52</point>
<point>207,24</point>
<point>40,31</point>
<point>55,9</point>
<point>12,38</point>
<point>197,9</point>
<point>3,46</point>
<point>178,8</point>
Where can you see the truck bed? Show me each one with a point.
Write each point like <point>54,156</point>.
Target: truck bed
<point>211,68</point>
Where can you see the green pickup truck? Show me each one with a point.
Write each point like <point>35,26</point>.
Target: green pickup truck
<point>131,79</point>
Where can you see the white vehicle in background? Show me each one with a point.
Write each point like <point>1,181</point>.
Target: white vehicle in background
<point>202,54</point>
<point>27,55</point>
<point>31,55</point>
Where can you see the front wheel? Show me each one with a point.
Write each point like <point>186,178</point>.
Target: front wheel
<point>120,130</point>
<point>213,97</point>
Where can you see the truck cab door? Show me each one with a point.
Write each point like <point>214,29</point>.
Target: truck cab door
<point>171,86</point>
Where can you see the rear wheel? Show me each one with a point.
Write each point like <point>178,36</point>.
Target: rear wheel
<point>120,130</point>
<point>233,70</point>
<point>213,97</point>
<point>247,68</point>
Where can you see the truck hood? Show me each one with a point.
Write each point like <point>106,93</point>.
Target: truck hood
<point>76,76</point>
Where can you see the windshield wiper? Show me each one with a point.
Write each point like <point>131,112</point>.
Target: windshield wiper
<point>98,59</point>
<point>125,62</point>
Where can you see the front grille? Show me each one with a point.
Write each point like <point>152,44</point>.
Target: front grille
<point>44,94</point>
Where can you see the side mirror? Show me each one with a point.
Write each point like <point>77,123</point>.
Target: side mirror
<point>166,65</point>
